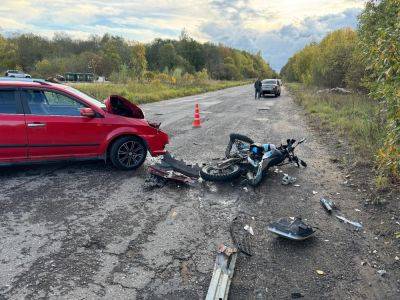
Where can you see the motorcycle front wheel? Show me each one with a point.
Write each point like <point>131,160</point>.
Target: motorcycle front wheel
<point>216,174</point>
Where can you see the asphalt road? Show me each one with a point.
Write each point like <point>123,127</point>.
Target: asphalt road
<point>88,231</point>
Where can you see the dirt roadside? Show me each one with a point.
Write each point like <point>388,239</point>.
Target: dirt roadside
<point>85,231</point>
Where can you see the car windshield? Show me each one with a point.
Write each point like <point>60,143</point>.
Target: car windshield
<point>86,97</point>
<point>270,81</point>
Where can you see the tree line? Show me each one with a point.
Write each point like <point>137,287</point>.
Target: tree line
<point>334,62</point>
<point>366,59</point>
<point>108,55</point>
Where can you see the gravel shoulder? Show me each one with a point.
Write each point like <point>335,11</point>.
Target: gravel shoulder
<point>88,231</point>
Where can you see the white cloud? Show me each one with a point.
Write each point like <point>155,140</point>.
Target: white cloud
<point>248,24</point>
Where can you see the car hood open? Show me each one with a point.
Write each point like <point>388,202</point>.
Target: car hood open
<point>118,105</point>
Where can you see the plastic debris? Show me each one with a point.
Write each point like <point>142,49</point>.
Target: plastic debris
<point>397,235</point>
<point>314,192</point>
<point>297,295</point>
<point>296,185</point>
<point>329,205</point>
<point>355,224</point>
<point>320,272</point>
<point>176,170</point>
<point>286,180</point>
<point>382,272</point>
<point>249,229</point>
<point>397,258</point>
<point>241,238</point>
<point>291,228</point>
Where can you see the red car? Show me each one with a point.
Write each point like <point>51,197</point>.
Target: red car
<point>43,121</point>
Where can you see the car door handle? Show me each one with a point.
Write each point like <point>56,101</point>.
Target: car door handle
<point>36,124</point>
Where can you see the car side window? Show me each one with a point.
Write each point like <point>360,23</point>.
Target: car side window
<point>47,103</point>
<point>8,102</point>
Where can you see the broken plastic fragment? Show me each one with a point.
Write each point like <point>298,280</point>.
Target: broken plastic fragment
<point>286,180</point>
<point>320,272</point>
<point>249,229</point>
<point>382,272</point>
<point>297,295</point>
<point>314,192</point>
<point>356,224</point>
<point>291,228</point>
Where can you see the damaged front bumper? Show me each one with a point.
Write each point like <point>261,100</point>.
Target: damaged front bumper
<point>156,143</point>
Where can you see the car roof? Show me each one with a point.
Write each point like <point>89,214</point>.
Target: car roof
<point>28,82</point>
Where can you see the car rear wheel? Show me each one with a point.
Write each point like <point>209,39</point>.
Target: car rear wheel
<point>128,153</point>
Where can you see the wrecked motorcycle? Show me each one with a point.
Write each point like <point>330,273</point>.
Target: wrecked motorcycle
<point>244,157</point>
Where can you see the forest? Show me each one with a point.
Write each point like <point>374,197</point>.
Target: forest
<point>366,60</point>
<point>116,58</point>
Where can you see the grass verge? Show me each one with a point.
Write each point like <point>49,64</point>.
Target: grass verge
<point>140,93</point>
<point>355,117</point>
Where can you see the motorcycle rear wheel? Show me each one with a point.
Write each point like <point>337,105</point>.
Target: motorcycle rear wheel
<point>212,173</point>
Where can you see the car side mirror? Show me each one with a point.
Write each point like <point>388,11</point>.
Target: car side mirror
<point>88,112</point>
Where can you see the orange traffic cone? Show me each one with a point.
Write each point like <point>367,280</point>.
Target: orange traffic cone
<point>197,121</point>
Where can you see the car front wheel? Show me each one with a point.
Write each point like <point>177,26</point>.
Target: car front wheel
<point>128,153</point>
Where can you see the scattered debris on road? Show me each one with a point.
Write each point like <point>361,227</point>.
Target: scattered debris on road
<point>224,268</point>
<point>249,229</point>
<point>320,272</point>
<point>152,182</point>
<point>314,192</point>
<point>228,251</point>
<point>170,168</point>
<point>297,295</point>
<point>382,272</point>
<point>241,238</point>
<point>329,205</point>
<point>291,228</point>
<point>286,180</point>
<point>355,224</point>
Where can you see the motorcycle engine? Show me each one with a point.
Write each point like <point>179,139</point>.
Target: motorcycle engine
<point>256,152</point>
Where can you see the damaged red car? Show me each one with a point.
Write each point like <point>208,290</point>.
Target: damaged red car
<point>43,121</point>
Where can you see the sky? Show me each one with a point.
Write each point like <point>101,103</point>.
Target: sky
<point>277,28</point>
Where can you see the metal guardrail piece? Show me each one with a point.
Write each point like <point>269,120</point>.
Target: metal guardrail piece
<point>222,277</point>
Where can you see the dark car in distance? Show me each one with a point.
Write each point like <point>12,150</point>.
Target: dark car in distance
<point>271,87</point>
